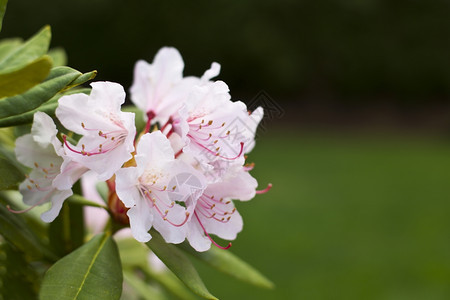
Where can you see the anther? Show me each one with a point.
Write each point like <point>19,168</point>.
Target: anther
<point>100,133</point>
<point>210,122</point>
<point>82,124</point>
<point>36,165</point>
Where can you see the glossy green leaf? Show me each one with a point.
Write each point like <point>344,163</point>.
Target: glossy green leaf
<point>179,264</point>
<point>14,229</point>
<point>49,108</point>
<point>142,288</point>
<point>2,11</point>
<point>58,79</point>
<point>228,263</point>
<point>21,80</point>
<point>27,52</point>
<point>93,271</point>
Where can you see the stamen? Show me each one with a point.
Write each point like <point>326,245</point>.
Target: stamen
<point>210,238</point>
<point>269,186</point>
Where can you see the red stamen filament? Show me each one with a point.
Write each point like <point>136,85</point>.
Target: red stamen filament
<point>209,237</point>
<point>269,186</point>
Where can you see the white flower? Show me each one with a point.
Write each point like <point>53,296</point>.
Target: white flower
<point>215,212</point>
<point>107,132</point>
<point>213,127</point>
<point>156,189</point>
<point>42,151</point>
<point>159,88</point>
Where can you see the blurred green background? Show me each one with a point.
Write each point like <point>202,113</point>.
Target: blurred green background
<point>357,145</point>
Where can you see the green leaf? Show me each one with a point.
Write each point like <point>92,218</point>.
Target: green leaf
<point>135,255</point>
<point>146,291</point>
<point>14,229</point>
<point>10,175</point>
<point>9,45</point>
<point>2,11</point>
<point>58,56</point>
<point>19,280</point>
<point>21,80</point>
<point>179,264</point>
<point>49,108</point>
<point>58,79</point>
<point>82,79</point>
<point>93,271</point>
<point>66,232</point>
<point>228,263</point>
<point>27,52</point>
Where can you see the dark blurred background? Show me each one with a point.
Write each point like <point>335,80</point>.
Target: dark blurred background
<point>338,61</point>
<point>356,144</point>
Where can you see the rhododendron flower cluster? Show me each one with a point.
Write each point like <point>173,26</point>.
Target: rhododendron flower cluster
<point>179,175</point>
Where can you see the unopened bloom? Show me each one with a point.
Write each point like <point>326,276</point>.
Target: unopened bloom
<point>160,191</point>
<point>107,133</point>
<point>52,176</point>
<point>159,88</point>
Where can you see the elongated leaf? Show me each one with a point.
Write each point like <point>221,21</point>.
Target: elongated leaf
<point>49,108</point>
<point>179,264</point>
<point>29,51</point>
<point>14,229</point>
<point>93,271</point>
<point>8,45</point>
<point>144,290</point>
<point>2,11</point>
<point>59,78</point>
<point>19,81</point>
<point>228,263</point>
<point>82,79</point>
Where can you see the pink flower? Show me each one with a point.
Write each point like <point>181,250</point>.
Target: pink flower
<point>42,151</point>
<point>215,212</point>
<point>159,88</point>
<point>107,133</point>
<point>160,191</point>
<point>213,127</point>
